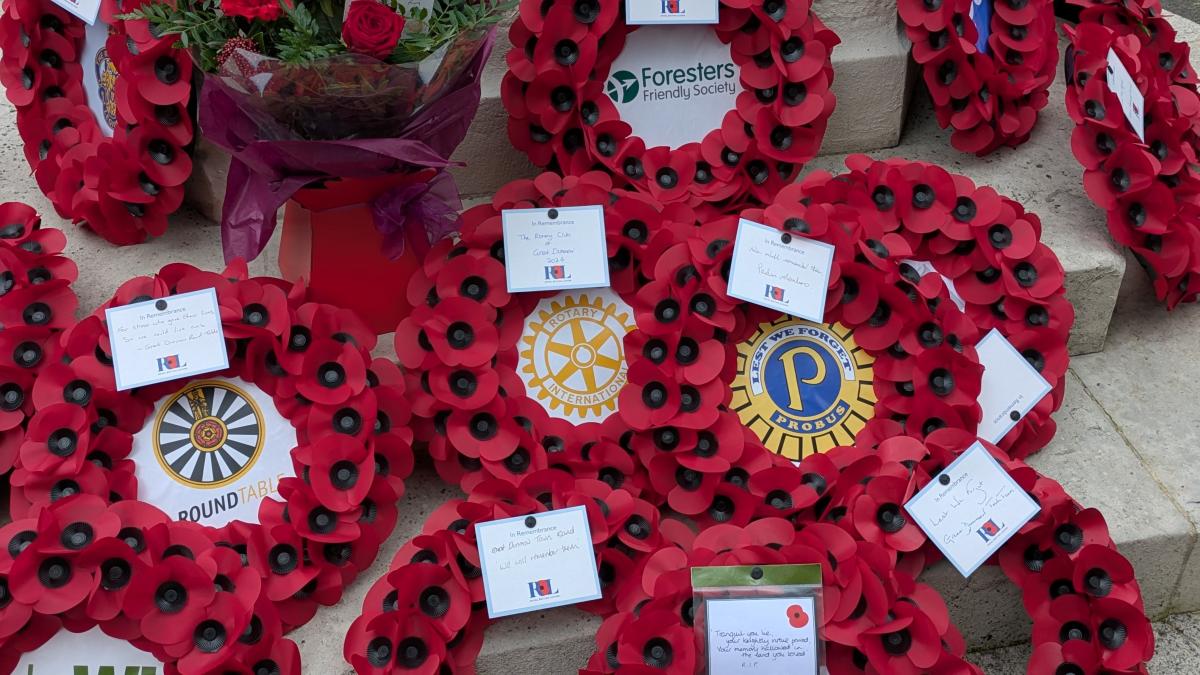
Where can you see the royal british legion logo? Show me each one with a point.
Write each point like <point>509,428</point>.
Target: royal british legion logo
<point>171,362</point>
<point>803,387</point>
<point>541,589</point>
<point>556,273</point>
<point>989,530</point>
<point>672,7</point>
<point>774,293</point>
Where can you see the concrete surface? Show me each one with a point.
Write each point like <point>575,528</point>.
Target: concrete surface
<point>1146,381</point>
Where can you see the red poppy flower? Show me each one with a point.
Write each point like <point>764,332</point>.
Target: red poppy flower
<point>658,640</point>
<point>333,372</point>
<point>406,639</point>
<point>58,439</point>
<point>432,591</point>
<point>169,599</point>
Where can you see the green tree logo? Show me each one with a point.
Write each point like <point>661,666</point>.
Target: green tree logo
<point>622,86</point>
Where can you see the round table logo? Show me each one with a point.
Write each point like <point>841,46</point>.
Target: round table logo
<point>573,353</point>
<point>209,434</point>
<point>803,387</point>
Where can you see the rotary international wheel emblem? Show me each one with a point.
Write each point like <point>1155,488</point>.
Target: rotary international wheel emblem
<point>803,387</point>
<point>208,434</point>
<point>572,354</point>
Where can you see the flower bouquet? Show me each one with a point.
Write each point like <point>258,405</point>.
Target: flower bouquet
<point>347,111</point>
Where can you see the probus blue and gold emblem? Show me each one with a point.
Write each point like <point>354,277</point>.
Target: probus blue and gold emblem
<point>209,434</point>
<point>572,357</point>
<point>803,387</point>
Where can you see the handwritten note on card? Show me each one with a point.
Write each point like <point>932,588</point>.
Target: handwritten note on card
<point>971,508</point>
<point>555,249</point>
<point>537,562</point>
<point>763,636</point>
<point>166,339</point>
<point>87,10</point>
<point>1133,104</point>
<point>780,271</point>
<point>1011,387</point>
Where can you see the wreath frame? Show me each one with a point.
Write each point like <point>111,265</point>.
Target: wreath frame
<point>1145,188</point>
<point>352,456</point>
<point>561,117</point>
<point>763,497</point>
<point>989,101</point>
<point>36,303</point>
<point>122,187</point>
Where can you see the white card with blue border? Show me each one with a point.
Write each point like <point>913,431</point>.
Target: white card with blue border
<point>537,562</point>
<point>1011,386</point>
<point>554,249</point>
<point>166,339</point>
<point>971,509</point>
<point>780,271</point>
<point>643,12</point>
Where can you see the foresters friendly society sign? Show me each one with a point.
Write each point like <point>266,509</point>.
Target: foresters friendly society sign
<point>664,66</point>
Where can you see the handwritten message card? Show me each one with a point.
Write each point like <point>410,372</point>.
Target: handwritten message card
<point>779,271</point>
<point>764,636</point>
<point>84,9</point>
<point>166,339</point>
<point>1132,102</point>
<point>671,11</point>
<point>537,562</point>
<point>555,249</point>
<point>971,508</point>
<point>1011,386</point>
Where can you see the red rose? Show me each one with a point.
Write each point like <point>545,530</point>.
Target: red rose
<point>266,10</point>
<point>372,28</point>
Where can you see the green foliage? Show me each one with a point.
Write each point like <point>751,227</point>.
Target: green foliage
<point>198,23</point>
<point>448,20</point>
<point>312,29</point>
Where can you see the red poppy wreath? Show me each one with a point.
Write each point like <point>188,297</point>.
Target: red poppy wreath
<point>115,587</point>
<point>723,115</point>
<point>676,448</point>
<point>103,113</point>
<point>293,458</point>
<point>988,80</point>
<point>1145,183</point>
<point>36,303</point>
